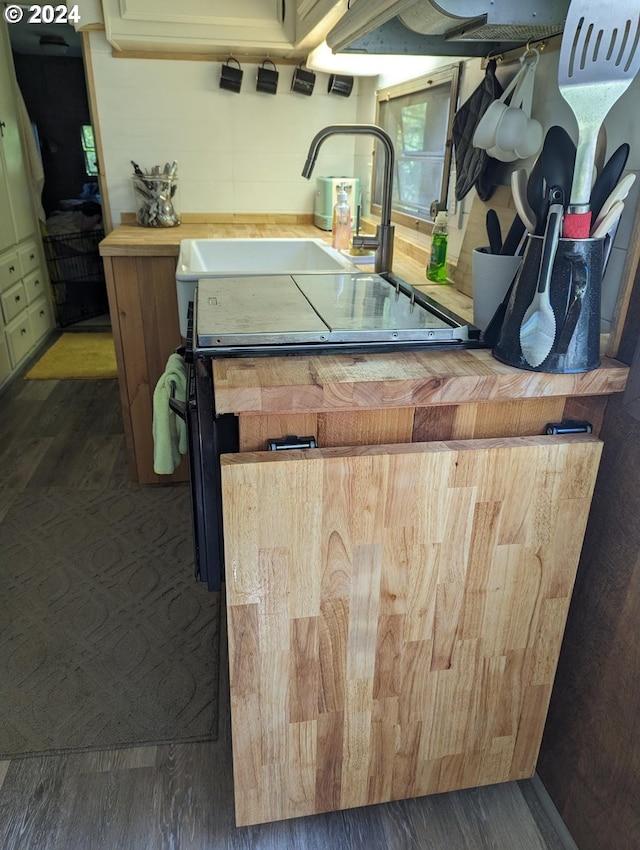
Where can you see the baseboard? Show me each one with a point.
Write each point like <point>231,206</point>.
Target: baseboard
<point>538,795</point>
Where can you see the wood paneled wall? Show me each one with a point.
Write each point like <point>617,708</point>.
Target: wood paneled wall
<point>590,755</point>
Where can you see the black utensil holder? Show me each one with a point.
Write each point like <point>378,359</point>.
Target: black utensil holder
<point>576,346</point>
<point>267,79</point>
<point>231,77</point>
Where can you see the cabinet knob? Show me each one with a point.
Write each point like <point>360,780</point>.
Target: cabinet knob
<point>12,269</point>
<point>32,256</point>
<point>42,312</point>
<point>36,282</point>
<point>23,331</point>
<point>17,297</point>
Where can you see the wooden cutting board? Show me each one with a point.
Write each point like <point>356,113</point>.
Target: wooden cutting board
<point>395,615</point>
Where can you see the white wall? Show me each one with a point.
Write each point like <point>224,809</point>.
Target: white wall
<point>236,153</point>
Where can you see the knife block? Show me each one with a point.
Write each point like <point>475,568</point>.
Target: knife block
<point>574,292</point>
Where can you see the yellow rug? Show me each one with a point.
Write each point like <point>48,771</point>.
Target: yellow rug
<point>77,355</point>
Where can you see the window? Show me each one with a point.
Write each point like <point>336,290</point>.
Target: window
<point>418,116</point>
<point>89,148</point>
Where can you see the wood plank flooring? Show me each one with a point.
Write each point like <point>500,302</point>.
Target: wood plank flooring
<point>181,797</point>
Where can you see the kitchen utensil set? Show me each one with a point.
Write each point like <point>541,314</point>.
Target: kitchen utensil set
<point>155,190</point>
<point>571,191</point>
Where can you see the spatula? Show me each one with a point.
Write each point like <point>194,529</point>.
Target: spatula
<point>558,158</point>
<point>538,328</point>
<point>599,57</point>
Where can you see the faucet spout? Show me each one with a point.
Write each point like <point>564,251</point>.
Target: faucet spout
<point>384,231</point>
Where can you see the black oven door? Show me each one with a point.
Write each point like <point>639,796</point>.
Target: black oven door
<point>209,436</point>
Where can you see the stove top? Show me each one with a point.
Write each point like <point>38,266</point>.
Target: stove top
<point>274,311</point>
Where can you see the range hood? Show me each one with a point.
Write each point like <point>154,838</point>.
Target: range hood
<point>446,27</point>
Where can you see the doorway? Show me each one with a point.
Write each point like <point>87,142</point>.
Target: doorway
<point>50,73</point>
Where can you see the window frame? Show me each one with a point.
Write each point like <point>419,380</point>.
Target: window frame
<point>446,75</point>
<point>89,149</point>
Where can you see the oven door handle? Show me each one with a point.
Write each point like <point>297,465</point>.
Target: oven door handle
<point>178,407</point>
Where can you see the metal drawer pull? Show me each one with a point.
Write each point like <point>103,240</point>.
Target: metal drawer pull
<point>292,442</point>
<point>569,426</point>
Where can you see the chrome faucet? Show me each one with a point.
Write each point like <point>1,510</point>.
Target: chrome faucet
<point>382,242</point>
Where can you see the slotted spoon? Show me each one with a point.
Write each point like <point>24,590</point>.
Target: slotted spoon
<point>599,57</point>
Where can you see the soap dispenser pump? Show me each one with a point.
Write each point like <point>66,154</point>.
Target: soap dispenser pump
<point>341,227</point>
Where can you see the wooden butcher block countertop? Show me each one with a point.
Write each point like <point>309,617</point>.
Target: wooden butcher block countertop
<point>402,379</point>
<point>130,240</point>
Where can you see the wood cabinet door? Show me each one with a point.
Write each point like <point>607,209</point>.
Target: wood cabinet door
<point>395,615</point>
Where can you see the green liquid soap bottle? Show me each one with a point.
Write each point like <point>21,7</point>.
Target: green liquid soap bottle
<point>341,229</point>
<point>437,268</point>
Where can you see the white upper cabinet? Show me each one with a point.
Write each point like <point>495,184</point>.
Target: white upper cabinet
<point>192,26</point>
<point>252,27</point>
<point>16,208</point>
<point>314,19</point>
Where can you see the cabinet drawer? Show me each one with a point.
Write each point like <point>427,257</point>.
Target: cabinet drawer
<point>9,270</point>
<point>5,362</point>
<point>14,301</point>
<point>29,257</point>
<point>19,338</point>
<point>34,285</point>
<point>40,319</point>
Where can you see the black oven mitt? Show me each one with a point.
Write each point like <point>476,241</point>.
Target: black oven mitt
<point>474,167</point>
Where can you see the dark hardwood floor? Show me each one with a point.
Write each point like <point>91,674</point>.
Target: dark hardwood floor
<point>69,433</point>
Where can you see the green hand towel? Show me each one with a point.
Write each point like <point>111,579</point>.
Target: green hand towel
<point>169,431</point>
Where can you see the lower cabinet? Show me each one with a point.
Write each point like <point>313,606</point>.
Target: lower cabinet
<point>146,331</point>
<point>26,306</point>
<point>395,614</point>
<point>5,362</point>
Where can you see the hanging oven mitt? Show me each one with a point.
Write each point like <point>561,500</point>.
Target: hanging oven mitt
<point>474,166</point>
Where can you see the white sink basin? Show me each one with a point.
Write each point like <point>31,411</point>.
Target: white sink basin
<point>201,258</point>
